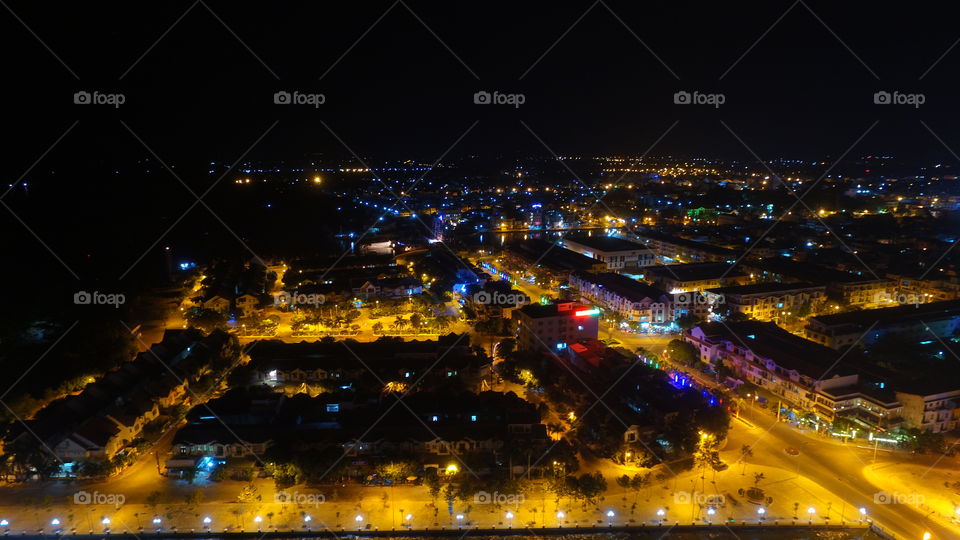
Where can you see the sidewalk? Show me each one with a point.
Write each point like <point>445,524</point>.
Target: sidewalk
<point>930,490</point>
<point>686,499</point>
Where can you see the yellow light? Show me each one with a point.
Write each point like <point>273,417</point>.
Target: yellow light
<point>452,468</point>
<point>317,180</point>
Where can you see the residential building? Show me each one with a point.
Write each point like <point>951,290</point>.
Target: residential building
<point>695,277</point>
<point>771,358</point>
<point>617,253</point>
<point>674,249</point>
<point>769,301</point>
<point>907,321</point>
<point>550,327</point>
<point>633,299</point>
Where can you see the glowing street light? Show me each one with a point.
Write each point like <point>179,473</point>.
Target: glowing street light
<point>761,511</point>
<point>207,521</point>
<point>810,512</point>
<point>927,536</point>
<point>358,519</point>
<point>307,519</point>
<point>105,521</point>
<point>661,513</point>
<point>4,523</point>
<point>509,514</point>
<point>561,515</point>
<point>55,522</point>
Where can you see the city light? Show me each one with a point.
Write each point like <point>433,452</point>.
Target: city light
<point>561,515</point>
<point>55,522</point>
<point>105,521</point>
<point>358,519</point>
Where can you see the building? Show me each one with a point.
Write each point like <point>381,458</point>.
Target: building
<point>772,358</point>
<point>557,261</point>
<point>636,301</point>
<point>675,249</point>
<point>769,301</point>
<point>933,406</point>
<point>871,405</point>
<point>550,327</point>
<point>695,277</point>
<point>857,291</point>
<point>617,253</point>
<point>908,321</point>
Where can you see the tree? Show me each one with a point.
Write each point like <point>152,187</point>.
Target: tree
<point>682,352</point>
<point>378,328</point>
<point>688,321</point>
<point>590,486</point>
<point>506,347</point>
<point>624,482</point>
<point>638,483</point>
<point>745,452</point>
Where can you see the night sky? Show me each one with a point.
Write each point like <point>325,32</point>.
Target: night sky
<point>194,91</point>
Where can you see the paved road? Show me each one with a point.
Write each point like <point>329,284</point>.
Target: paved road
<point>838,468</point>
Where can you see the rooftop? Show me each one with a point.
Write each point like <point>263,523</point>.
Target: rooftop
<point>898,314</point>
<point>606,243</point>
<point>761,288</point>
<point>695,271</point>
<point>630,289</point>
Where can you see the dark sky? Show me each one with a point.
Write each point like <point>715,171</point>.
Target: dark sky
<point>199,78</point>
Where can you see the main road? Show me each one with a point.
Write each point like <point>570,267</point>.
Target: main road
<point>837,467</point>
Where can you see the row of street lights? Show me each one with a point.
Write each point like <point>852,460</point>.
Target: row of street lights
<point>661,516</point>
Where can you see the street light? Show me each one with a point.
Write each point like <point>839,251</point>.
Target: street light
<point>55,522</point>
<point>761,511</point>
<point>710,512</point>
<point>560,514</point>
<point>4,523</point>
<point>207,521</point>
<point>661,513</point>
<point>863,513</point>
<point>359,520</point>
<point>258,520</point>
<point>811,511</point>
<point>926,536</point>
<point>307,519</point>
